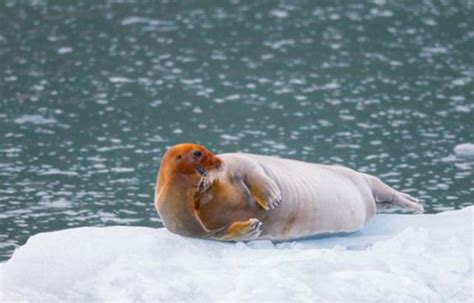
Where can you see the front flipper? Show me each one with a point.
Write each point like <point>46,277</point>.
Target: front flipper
<point>239,231</point>
<point>264,190</point>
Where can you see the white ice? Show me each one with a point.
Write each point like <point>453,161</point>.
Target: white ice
<point>395,258</point>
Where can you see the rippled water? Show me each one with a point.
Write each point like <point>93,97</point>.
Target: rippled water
<point>93,92</point>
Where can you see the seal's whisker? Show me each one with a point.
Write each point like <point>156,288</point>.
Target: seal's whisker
<point>206,180</point>
<point>202,181</point>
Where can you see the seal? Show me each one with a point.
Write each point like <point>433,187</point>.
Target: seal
<point>242,197</point>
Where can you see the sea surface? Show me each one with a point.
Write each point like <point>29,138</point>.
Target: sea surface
<point>93,92</point>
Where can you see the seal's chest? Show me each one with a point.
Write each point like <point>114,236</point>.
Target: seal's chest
<point>225,194</point>
<point>224,203</point>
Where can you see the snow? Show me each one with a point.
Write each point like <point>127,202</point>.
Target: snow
<point>395,258</point>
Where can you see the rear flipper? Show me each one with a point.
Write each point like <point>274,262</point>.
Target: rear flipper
<point>387,197</point>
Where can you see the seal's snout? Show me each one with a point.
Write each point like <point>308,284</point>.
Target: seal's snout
<point>211,162</point>
<point>217,162</point>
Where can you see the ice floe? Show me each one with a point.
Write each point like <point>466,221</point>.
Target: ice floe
<point>395,258</point>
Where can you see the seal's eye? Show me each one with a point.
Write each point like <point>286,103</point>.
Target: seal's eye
<point>178,157</point>
<point>197,154</point>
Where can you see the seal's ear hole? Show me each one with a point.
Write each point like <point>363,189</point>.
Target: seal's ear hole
<point>197,154</point>
<point>178,157</point>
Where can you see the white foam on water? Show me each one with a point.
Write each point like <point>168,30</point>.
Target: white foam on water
<point>395,258</point>
<point>55,171</point>
<point>278,13</point>
<point>34,119</point>
<point>464,150</point>
<point>65,50</point>
<point>59,203</point>
<point>157,24</point>
<point>120,80</point>
<point>135,20</point>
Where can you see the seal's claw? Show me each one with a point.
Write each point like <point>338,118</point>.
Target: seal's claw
<point>241,231</point>
<point>255,228</point>
<point>274,202</point>
<point>267,199</point>
<point>263,189</point>
<point>255,225</point>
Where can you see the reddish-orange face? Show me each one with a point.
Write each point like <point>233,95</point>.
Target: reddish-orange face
<point>189,158</point>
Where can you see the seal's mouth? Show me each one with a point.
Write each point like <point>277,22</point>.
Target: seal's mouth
<point>201,170</point>
<point>206,178</point>
<point>208,165</point>
<point>208,171</point>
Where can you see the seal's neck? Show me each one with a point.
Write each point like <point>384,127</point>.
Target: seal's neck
<point>175,205</point>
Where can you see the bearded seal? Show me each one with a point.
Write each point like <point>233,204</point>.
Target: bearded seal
<point>243,197</point>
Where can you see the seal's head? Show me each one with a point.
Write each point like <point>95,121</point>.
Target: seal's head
<point>189,159</point>
<point>186,170</point>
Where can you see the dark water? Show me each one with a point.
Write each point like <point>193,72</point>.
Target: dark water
<point>93,92</point>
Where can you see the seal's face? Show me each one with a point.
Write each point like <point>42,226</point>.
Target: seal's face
<point>186,170</point>
<point>188,158</point>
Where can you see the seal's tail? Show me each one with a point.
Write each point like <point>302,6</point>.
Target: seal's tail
<point>387,197</point>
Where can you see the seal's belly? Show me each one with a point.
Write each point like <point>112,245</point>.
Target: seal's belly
<point>317,199</point>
